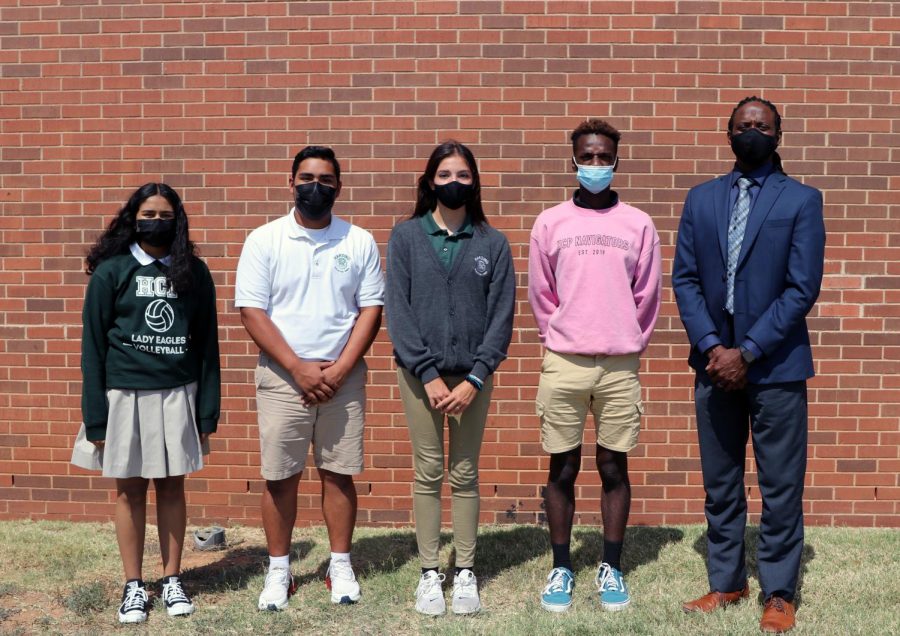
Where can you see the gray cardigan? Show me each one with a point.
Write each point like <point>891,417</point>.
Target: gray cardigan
<point>449,322</point>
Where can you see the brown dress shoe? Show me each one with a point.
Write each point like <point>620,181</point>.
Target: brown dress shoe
<point>778,616</point>
<point>714,600</point>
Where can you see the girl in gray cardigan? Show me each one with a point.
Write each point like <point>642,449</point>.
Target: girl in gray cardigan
<point>450,303</point>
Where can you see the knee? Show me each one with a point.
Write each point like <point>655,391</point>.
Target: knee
<point>613,476</point>
<point>463,477</point>
<point>134,493</point>
<point>283,487</point>
<point>429,473</point>
<point>169,487</point>
<point>564,468</point>
<point>336,481</point>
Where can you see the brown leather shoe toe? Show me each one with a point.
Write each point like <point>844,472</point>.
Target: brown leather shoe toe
<point>714,600</point>
<point>778,616</point>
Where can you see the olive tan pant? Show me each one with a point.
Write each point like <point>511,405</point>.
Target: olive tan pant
<point>426,432</point>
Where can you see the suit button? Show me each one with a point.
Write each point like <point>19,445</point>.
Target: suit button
<point>724,277</point>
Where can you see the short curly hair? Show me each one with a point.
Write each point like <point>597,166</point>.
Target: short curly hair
<point>596,127</point>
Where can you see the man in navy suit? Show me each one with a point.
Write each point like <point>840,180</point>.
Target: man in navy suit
<point>748,267</point>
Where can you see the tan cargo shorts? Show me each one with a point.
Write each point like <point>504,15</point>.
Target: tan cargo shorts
<point>608,386</point>
<point>287,427</point>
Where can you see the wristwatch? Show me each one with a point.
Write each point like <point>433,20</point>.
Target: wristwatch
<point>747,355</point>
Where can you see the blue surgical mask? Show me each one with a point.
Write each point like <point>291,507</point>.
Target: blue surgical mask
<point>594,179</point>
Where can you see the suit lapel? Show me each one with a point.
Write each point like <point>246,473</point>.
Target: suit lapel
<point>769,193</point>
<point>721,210</point>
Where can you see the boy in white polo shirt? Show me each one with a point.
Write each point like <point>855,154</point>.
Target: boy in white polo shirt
<point>310,290</point>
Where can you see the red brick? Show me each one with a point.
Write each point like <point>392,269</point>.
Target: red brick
<point>383,82</point>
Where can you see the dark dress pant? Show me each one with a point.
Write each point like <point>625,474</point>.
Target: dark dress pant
<point>776,416</point>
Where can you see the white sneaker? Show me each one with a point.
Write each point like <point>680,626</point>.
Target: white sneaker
<point>279,586</point>
<point>430,595</point>
<point>342,583</point>
<point>176,601</point>
<point>134,603</point>
<point>465,593</point>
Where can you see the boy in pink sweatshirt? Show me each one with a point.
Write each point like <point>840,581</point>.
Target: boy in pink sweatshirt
<point>594,284</point>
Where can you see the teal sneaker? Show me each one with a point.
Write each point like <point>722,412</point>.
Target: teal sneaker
<point>557,595</point>
<point>612,589</point>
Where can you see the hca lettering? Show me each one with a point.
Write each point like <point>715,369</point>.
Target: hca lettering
<point>151,287</point>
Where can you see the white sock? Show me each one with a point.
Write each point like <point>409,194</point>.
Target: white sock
<point>283,562</point>
<point>340,556</point>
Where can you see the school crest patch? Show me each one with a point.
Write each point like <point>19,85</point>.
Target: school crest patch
<point>481,265</point>
<point>341,262</point>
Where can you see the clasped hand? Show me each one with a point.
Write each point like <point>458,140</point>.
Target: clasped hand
<point>448,402</point>
<point>318,381</point>
<point>727,368</point>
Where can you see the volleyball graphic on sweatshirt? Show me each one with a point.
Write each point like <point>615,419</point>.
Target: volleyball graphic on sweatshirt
<point>159,316</point>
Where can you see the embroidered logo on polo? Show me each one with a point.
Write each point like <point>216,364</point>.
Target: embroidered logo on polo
<point>159,316</point>
<point>481,265</point>
<point>341,262</point>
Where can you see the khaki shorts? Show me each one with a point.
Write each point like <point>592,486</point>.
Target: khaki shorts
<point>286,427</point>
<point>607,385</point>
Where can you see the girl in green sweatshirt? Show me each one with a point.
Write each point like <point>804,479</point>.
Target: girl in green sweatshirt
<point>150,396</point>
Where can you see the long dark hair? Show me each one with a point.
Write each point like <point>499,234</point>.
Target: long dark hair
<point>122,232</point>
<point>426,199</point>
<point>776,158</point>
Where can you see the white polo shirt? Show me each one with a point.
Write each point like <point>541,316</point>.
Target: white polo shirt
<point>311,283</point>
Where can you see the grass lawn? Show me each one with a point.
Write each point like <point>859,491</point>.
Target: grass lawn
<point>64,578</point>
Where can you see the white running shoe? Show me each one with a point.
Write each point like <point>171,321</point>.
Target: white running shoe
<point>430,595</point>
<point>342,583</point>
<point>176,601</point>
<point>465,593</point>
<point>278,588</point>
<point>134,603</point>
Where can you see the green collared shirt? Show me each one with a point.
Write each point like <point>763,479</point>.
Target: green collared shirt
<point>445,244</point>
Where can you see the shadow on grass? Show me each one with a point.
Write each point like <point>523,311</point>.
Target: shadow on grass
<point>751,541</point>
<point>504,548</point>
<point>236,567</point>
<point>642,545</point>
<point>376,555</point>
<point>498,550</point>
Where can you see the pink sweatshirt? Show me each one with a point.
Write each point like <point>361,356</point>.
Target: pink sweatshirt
<point>594,279</point>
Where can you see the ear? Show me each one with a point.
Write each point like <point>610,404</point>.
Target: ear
<point>337,190</point>
<point>616,164</point>
<point>574,164</point>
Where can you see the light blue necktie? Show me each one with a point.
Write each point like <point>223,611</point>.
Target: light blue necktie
<point>736,227</point>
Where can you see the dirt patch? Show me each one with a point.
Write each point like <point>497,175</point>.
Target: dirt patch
<point>204,572</point>
<point>25,612</point>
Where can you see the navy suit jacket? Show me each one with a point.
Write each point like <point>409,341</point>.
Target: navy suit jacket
<point>777,281</point>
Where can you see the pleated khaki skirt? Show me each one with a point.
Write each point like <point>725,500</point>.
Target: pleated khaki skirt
<point>149,434</point>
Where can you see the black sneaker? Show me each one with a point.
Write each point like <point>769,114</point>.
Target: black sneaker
<point>134,603</point>
<point>177,602</point>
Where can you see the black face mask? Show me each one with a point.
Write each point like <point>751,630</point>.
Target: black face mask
<point>753,147</point>
<point>454,195</point>
<point>156,232</point>
<point>314,199</point>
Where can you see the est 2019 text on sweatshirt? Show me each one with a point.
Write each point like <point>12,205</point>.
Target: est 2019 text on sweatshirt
<point>594,279</point>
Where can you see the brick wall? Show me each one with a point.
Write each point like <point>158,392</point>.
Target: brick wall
<point>214,98</point>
